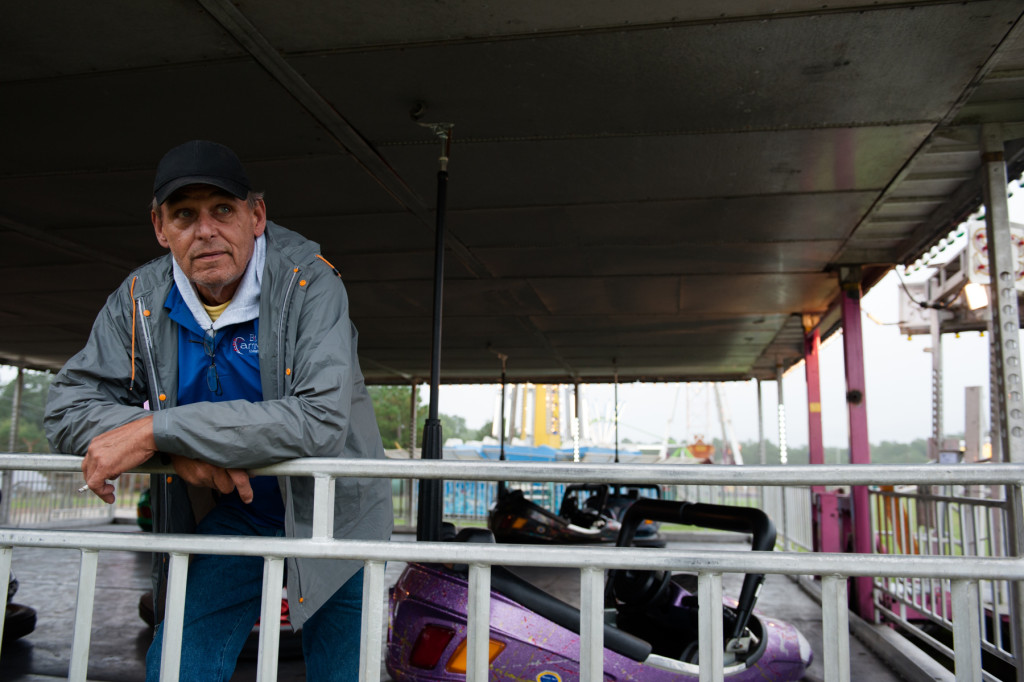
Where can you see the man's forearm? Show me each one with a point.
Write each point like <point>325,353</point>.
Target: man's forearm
<point>115,452</point>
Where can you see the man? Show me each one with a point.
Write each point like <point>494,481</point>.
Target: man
<point>241,343</point>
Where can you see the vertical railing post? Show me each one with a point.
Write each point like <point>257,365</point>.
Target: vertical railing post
<point>174,618</point>
<point>710,642</point>
<point>270,619</point>
<point>6,554</point>
<point>79,666</point>
<point>371,630</point>
<point>856,405</point>
<point>7,476</point>
<point>478,625</point>
<point>966,631</point>
<point>323,507</point>
<point>835,628</point>
<point>591,624</point>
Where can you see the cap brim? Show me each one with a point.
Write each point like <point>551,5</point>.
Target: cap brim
<point>168,188</point>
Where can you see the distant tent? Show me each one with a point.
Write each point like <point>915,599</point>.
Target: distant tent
<point>701,450</point>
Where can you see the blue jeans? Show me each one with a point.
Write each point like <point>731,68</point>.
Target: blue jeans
<point>222,603</point>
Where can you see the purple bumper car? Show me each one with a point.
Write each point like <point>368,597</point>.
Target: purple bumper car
<point>535,637</point>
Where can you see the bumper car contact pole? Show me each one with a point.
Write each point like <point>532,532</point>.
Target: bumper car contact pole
<point>501,422</point>
<point>429,514</point>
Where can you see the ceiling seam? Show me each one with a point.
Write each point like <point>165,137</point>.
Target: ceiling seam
<point>238,26</point>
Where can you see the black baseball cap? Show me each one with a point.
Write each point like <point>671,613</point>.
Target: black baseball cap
<point>200,162</point>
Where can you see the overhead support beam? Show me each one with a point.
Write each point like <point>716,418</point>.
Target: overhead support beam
<point>241,29</point>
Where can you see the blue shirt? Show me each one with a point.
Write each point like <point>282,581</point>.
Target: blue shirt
<point>225,365</point>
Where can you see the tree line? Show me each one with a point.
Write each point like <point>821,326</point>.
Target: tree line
<point>391,404</point>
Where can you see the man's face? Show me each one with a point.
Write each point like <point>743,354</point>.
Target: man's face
<point>211,235</point>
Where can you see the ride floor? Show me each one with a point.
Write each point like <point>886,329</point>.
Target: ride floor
<point>48,583</point>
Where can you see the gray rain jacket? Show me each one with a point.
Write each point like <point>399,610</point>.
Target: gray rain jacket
<point>315,403</point>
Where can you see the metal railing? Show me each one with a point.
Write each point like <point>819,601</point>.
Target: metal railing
<point>962,572</point>
<point>791,509</point>
<point>966,521</point>
<point>51,500</point>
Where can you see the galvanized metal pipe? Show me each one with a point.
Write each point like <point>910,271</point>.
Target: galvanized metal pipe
<point>710,640</point>
<point>270,619</point>
<point>966,631</point>
<point>706,562</point>
<point>372,627</point>
<point>785,563</point>
<point>591,624</point>
<point>174,615</point>
<point>79,666</point>
<point>323,512</point>
<point>478,635</point>
<point>835,627</point>
<point>5,577</point>
<point>558,472</point>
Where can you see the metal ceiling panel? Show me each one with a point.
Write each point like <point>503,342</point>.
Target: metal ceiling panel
<point>727,220</point>
<point>658,168</point>
<point>617,260</point>
<point>657,190</point>
<point>347,25</point>
<point>828,69</point>
<point>66,37</point>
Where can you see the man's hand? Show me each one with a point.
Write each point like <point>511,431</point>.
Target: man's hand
<point>112,453</point>
<point>207,475</point>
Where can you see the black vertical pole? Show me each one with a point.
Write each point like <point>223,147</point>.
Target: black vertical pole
<point>501,424</point>
<point>616,398</point>
<point>428,520</point>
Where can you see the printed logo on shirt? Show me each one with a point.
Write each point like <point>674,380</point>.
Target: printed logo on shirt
<point>244,346</point>
<point>548,676</point>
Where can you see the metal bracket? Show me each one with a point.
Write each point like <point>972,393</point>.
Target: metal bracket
<point>444,132</point>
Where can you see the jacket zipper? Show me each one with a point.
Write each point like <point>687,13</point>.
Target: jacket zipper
<point>147,358</point>
<point>280,330</point>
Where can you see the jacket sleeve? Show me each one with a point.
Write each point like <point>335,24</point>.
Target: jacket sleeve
<point>314,419</point>
<point>94,392</point>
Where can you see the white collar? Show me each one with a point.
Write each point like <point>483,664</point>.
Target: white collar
<point>244,306</point>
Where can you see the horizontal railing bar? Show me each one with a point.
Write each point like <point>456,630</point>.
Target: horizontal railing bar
<point>787,563</point>
<point>559,472</point>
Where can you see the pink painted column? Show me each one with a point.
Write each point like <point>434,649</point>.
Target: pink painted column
<point>812,347</point>
<point>825,515</point>
<point>860,451</point>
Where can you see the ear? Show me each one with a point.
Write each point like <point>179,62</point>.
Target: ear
<point>259,213</point>
<point>158,227</point>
